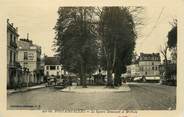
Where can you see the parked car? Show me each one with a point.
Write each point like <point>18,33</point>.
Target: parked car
<point>51,81</point>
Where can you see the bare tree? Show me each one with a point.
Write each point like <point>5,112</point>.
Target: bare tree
<point>164,51</point>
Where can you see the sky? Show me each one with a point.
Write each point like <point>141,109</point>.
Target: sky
<point>39,18</point>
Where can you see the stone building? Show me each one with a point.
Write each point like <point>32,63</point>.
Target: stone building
<point>53,67</point>
<point>13,67</point>
<point>146,65</point>
<point>133,70</point>
<point>29,58</point>
<point>149,64</point>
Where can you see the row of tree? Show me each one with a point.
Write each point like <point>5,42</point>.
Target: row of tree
<point>89,37</point>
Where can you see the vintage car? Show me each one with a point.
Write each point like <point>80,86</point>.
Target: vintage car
<point>51,81</point>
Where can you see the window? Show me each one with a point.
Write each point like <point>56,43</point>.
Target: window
<point>31,56</point>
<point>11,56</point>
<point>152,63</point>
<point>25,56</point>
<point>14,39</point>
<point>152,68</point>
<point>14,57</point>
<point>47,67</point>
<point>57,67</point>
<point>11,38</point>
<point>156,68</point>
<point>52,67</point>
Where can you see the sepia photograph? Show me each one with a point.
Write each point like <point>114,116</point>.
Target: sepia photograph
<point>98,60</point>
<point>92,59</point>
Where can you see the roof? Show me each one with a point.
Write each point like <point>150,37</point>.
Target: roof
<point>52,61</point>
<point>26,44</point>
<point>11,28</point>
<point>150,54</point>
<point>149,57</point>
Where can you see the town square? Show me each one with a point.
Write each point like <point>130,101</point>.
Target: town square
<point>92,58</point>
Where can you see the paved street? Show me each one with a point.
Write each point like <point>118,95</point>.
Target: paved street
<point>142,96</point>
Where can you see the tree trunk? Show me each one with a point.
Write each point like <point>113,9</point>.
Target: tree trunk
<point>81,75</point>
<point>167,72</point>
<point>114,60</point>
<point>84,76</point>
<point>109,72</point>
<point>117,78</point>
<point>114,55</point>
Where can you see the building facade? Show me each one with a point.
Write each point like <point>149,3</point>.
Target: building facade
<point>13,67</point>
<point>149,64</point>
<point>53,67</point>
<point>133,70</point>
<point>29,58</point>
<point>146,67</point>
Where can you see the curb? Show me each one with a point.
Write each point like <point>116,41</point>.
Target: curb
<point>24,90</point>
<point>126,88</point>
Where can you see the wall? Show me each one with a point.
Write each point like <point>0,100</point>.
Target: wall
<point>11,55</point>
<point>31,62</point>
<point>53,72</point>
<point>149,68</point>
<point>133,70</point>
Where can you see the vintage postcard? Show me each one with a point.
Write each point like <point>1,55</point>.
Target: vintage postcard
<point>91,58</point>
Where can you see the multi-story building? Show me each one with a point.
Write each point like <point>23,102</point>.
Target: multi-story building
<point>133,70</point>
<point>149,64</point>
<point>12,65</point>
<point>29,58</point>
<point>146,66</point>
<point>53,67</point>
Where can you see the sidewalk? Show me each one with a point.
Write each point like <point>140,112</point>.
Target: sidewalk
<point>10,91</point>
<point>95,89</point>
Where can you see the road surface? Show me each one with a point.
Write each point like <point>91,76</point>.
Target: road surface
<point>142,96</point>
